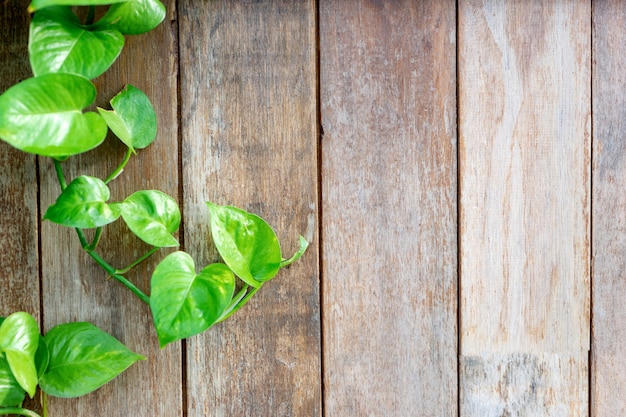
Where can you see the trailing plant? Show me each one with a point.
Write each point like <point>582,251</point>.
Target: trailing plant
<point>45,115</point>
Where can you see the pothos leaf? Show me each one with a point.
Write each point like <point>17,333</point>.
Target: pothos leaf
<point>40,4</point>
<point>83,204</point>
<point>184,303</point>
<point>19,338</point>
<point>134,16</point>
<point>153,216</point>
<point>246,242</point>
<point>11,393</point>
<point>44,116</point>
<point>59,43</point>
<point>82,359</point>
<point>133,119</point>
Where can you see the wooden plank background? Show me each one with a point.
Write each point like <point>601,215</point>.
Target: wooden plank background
<point>459,167</point>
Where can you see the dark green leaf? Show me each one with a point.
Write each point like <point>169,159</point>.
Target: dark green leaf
<point>153,216</point>
<point>82,359</point>
<point>184,304</point>
<point>83,204</point>
<point>132,119</point>
<point>134,17</point>
<point>44,116</point>
<point>40,4</point>
<point>59,43</point>
<point>11,393</point>
<point>246,242</point>
<point>19,338</point>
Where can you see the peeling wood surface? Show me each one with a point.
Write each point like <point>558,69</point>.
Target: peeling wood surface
<point>248,82</point>
<point>608,373</point>
<point>389,200</point>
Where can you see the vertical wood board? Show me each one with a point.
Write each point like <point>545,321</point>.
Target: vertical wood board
<point>608,373</point>
<point>74,287</point>
<point>524,106</point>
<point>524,92</point>
<point>19,257</point>
<point>389,191</point>
<point>248,77</point>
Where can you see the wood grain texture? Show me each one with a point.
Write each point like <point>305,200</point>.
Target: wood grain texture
<point>609,210</point>
<point>524,106</point>
<point>525,175</point>
<point>19,257</point>
<point>523,384</point>
<point>248,77</point>
<point>389,207</point>
<point>74,287</point>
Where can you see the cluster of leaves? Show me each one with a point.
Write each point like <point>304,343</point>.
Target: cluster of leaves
<point>45,115</point>
<point>69,361</point>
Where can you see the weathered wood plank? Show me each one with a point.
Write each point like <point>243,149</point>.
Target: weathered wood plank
<point>248,76</point>
<point>389,207</point>
<point>74,288</point>
<point>19,257</point>
<point>608,385</point>
<point>524,106</point>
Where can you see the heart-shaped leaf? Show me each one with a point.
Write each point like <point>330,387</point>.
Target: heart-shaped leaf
<point>133,119</point>
<point>134,16</point>
<point>44,116</point>
<point>184,304</point>
<point>83,204</point>
<point>11,393</point>
<point>19,338</point>
<point>153,216</point>
<point>82,359</point>
<point>40,4</point>
<point>59,43</point>
<point>246,242</point>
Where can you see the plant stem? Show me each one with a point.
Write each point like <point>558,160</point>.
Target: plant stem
<point>120,168</point>
<point>91,14</point>
<point>137,262</point>
<point>18,411</point>
<point>60,175</point>
<point>240,303</point>
<point>96,239</point>
<point>115,275</point>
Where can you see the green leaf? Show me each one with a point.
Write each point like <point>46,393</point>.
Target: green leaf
<point>44,116</point>
<point>40,4</point>
<point>134,17</point>
<point>82,359</point>
<point>246,242</point>
<point>83,204</point>
<point>59,43</point>
<point>19,338</point>
<point>133,119</point>
<point>11,393</point>
<point>153,216</point>
<point>184,304</point>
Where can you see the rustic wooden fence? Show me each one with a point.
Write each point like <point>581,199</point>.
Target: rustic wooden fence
<point>459,168</point>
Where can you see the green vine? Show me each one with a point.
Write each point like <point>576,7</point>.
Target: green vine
<point>44,115</point>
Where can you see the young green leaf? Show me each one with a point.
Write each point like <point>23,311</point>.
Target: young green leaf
<point>246,242</point>
<point>40,4</point>
<point>134,16</point>
<point>133,119</point>
<point>153,216</point>
<point>19,338</point>
<point>11,393</point>
<point>83,204</point>
<point>59,43</point>
<point>82,359</point>
<point>44,116</point>
<point>184,304</point>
